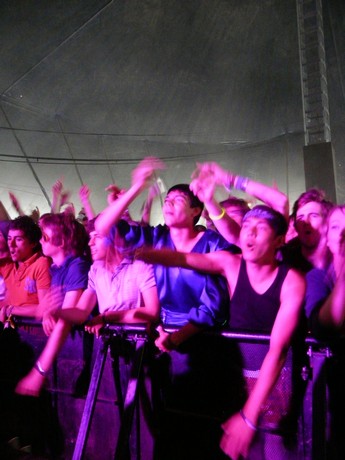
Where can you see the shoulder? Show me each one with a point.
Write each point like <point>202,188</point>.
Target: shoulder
<point>215,242</point>
<point>294,283</point>
<point>41,262</point>
<point>80,263</point>
<point>316,275</point>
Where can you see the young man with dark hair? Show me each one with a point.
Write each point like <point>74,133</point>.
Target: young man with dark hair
<point>265,297</point>
<point>189,299</point>
<point>26,273</point>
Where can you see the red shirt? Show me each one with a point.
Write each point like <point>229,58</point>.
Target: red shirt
<point>24,280</point>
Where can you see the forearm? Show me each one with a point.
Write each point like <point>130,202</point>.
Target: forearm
<point>269,373</point>
<point>73,315</point>
<point>272,197</point>
<point>208,263</point>
<point>131,316</point>
<point>29,310</point>
<point>186,332</point>
<point>54,344</point>
<point>112,214</point>
<point>56,205</point>
<point>226,226</point>
<point>89,211</point>
<point>332,312</point>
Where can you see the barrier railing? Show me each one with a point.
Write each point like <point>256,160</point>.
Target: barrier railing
<point>314,403</point>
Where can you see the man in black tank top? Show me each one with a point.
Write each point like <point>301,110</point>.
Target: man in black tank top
<point>266,297</point>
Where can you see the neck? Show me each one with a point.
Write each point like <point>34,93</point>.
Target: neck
<point>115,260</point>
<point>262,269</point>
<point>183,237</point>
<point>58,259</point>
<point>316,256</point>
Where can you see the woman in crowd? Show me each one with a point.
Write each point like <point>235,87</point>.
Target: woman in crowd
<point>325,308</point>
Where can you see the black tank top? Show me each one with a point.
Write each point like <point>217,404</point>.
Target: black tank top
<point>250,311</point>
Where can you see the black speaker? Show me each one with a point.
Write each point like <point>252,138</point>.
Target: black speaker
<point>319,168</point>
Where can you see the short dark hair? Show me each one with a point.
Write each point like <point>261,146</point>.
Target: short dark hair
<point>193,199</point>
<point>30,229</point>
<point>312,195</point>
<point>275,219</point>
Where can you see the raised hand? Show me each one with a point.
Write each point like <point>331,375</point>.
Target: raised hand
<point>144,173</point>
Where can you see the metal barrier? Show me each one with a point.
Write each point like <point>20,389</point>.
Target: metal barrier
<point>313,413</point>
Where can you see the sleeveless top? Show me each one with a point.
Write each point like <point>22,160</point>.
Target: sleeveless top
<point>250,311</point>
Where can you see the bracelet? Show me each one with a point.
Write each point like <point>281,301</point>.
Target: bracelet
<point>241,183</point>
<point>248,422</point>
<point>220,216</point>
<point>40,369</point>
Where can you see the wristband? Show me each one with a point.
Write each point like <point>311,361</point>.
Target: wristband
<point>241,183</point>
<point>220,216</point>
<point>40,369</point>
<point>248,422</point>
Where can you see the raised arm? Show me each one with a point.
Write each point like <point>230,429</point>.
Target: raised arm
<point>84,196</point>
<point>16,204</point>
<point>204,188</point>
<point>239,430</point>
<point>271,196</point>
<point>142,177</point>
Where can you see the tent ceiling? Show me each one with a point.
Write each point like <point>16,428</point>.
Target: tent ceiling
<point>89,87</point>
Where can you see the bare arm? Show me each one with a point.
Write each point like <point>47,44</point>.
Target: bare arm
<point>78,314</point>
<point>332,312</point>
<point>16,204</point>
<point>237,434</point>
<point>148,313</point>
<point>141,178</point>
<point>32,383</point>
<point>204,188</point>
<point>271,196</point>
<point>84,196</point>
<point>31,310</point>
<point>213,262</point>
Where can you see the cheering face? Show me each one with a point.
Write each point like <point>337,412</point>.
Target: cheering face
<point>258,241</point>
<point>19,245</point>
<point>309,224</point>
<point>336,232</point>
<point>177,210</point>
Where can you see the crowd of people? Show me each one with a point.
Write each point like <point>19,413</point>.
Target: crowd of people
<point>250,269</point>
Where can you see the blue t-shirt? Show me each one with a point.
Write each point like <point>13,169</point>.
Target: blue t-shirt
<point>71,275</point>
<point>185,295</point>
<point>320,284</point>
